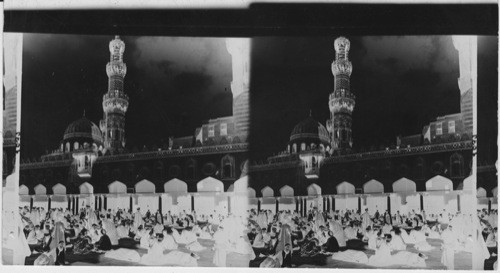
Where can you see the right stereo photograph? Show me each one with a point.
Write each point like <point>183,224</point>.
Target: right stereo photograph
<point>374,152</point>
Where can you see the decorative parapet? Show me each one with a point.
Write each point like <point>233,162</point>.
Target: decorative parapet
<point>219,149</point>
<point>426,149</point>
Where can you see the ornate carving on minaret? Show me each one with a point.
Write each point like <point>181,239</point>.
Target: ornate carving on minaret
<point>115,101</point>
<point>341,101</point>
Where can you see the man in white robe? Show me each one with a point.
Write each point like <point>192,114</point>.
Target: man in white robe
<point>221,245</point>
<point>449,245</point>
<point>138,219</point>
<point>365,220</point>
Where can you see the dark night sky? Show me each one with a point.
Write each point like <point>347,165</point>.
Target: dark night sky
<point>400,83</point>
<point>173,85</point>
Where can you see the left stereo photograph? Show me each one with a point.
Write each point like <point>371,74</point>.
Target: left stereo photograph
<point>125,150</point>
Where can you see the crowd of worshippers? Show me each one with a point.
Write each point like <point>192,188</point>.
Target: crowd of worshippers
<point>53,232</point>
<point>489,226</point>
<point>287,239</point>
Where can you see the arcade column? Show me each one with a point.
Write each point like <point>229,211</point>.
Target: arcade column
<point>277,204</point>
<point>259,202</point>
<point>421,201</point>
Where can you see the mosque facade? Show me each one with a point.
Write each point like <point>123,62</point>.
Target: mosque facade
<point>93,167</point>
<point>319,168</point>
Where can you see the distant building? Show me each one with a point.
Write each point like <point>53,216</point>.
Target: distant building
<point>92,162</point>
<point>319,168</point>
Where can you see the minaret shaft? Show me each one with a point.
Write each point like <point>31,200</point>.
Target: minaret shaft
<point>341,100</point>
<point>115,101</point>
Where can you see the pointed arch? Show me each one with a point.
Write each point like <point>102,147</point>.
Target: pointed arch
<point>227,164</point>
<point>468,183</point>
<point>439,183</point>
<point>345,188</point>
<point>481,192</point>
<point>86,188</point>
<point>404,185</point>
<point>456,165</point>
<point>59,189</point>
<point>267,192</point>
<point>373,186</point>
<point>117,187</point>
<point>145,186</point>
<point>241,184</point>
<point>23,190</point>
<point>210,184</point>
<point>286,191</point>
<point>313,190</point>
<point>40,189</point>
<point>175,185</point>
<point>251,193</point>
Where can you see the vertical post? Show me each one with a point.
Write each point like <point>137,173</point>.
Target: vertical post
<point>297,205</point>
<point>458,202</point>
<point>160,209</point>
<point>31,203</point>
<point>421,202</point>
<point>69,203</point>
<point>277,204</point>
<point>105,202</point>
<point>305,207</point>
<point>229,204</point>
<point>99,198</point>
<point>359,204</point>
<point>77,204</point>
<point>131,203</point>
<point>96,206</point>
<point>489,205</point>
<point>324,204</point>
<point>258,204</point>
<point>49,203</point>
<point>192,202</point>
<point>333,204</point>
<point>389,204</point>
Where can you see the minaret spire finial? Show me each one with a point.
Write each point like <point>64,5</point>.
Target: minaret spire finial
<point>84,112</point>
<point>310,112</point>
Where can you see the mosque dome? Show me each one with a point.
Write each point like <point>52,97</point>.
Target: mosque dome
<point>310,130</point>
<point>83,129</point>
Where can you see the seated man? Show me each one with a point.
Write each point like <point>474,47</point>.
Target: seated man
<point>104,242</point>
<point>397,242</point>
<point>331,244</point>
<point>259,245</point>
<point>45,244</point>
<point>31,238</point>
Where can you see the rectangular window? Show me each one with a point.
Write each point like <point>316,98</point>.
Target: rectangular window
<point>439,128</point>
<point>451,127</point>
<point>211,131</point>
<point>223,129</point>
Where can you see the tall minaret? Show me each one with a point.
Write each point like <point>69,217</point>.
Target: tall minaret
<point>341,101</point>
<point>239,48</point>
<point>115,101</point>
